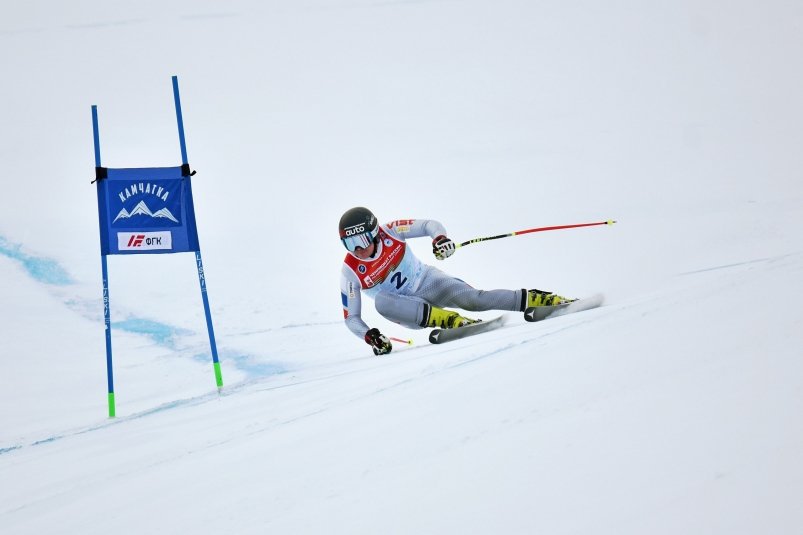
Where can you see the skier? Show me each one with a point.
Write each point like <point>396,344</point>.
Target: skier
<point>404,289</point>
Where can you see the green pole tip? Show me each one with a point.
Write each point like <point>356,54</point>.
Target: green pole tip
<point>218,375</point>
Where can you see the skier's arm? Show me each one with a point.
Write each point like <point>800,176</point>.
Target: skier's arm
<point>352,306</point>
<point>442,247</point>
<point>415,228</point>
<point>352,302</point>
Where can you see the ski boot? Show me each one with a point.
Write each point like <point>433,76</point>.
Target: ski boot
<point>444,319</point>
<point>540,305</point>
<point>538,298</point>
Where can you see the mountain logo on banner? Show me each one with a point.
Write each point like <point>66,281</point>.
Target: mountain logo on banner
<point>142,209</point>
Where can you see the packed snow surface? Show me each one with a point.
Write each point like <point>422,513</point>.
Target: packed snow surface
<point>677,407</point>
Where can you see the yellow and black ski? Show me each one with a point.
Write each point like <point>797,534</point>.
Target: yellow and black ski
<point>542,313</point>
<point>441,336</point>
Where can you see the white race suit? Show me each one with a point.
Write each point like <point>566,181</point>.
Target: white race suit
<point>402,286</point>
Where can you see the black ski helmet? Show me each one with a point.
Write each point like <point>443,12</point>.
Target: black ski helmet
<point>358,228</point>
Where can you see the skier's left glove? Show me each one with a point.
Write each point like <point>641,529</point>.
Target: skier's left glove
<point>443,247</point>
<point>378,341</point>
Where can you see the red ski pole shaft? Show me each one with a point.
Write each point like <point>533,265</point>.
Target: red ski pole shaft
<point>539,229</point>
<point>408,342</point>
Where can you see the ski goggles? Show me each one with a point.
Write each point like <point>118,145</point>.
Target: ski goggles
<point>362,240</point>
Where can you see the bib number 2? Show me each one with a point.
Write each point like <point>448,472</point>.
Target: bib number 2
<point>397,280</point>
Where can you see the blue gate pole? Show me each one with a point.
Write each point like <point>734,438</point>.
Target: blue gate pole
<point>198,261</point>
<point>106,303</point>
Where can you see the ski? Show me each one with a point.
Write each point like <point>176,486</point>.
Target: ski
<point>441,336</point>
<point>542,313</point>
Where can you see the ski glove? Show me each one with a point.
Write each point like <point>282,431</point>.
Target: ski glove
<point>378,341</point>
<point>443,247</point>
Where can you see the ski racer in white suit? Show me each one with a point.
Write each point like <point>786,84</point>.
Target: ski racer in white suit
<point>405,290</point>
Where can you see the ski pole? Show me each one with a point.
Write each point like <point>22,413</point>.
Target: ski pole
<point>540,229</point>
<point>408,342</point>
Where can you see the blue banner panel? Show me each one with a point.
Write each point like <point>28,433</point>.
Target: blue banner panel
<point>146,211</point>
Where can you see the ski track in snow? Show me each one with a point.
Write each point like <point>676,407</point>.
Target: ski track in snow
<point>770,259</point>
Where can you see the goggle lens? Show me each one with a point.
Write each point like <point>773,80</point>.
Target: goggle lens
<point>360,240</point>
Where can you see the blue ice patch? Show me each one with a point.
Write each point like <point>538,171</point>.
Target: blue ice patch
<point>160,333</point>
<point>40,268</point>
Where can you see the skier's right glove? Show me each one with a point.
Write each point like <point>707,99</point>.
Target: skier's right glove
<point>378,341</point>
<point>443,247</point>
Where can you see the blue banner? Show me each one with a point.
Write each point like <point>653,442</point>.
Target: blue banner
<point>146,211</point>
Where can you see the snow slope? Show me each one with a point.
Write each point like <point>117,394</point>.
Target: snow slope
<point>675,408</point>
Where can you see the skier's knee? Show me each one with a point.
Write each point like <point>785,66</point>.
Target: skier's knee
<point>404,311</point>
